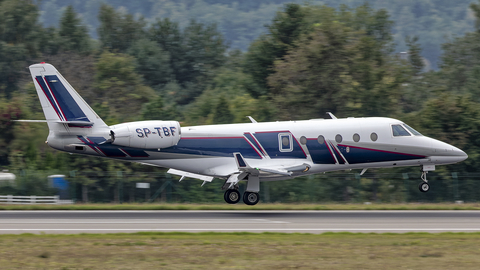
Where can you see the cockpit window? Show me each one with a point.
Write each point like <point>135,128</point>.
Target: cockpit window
<point>398,130</point>
<point>413,131</point>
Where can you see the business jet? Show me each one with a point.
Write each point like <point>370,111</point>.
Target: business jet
<point>252,152</point>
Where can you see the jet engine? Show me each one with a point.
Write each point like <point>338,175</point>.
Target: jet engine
<point>146,134</point>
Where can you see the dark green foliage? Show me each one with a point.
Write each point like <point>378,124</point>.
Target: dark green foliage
<point>414,55</point>
<point>118,30</point>
<point>193,54</point>
<point>18,40</point>
<point>152,62</point>
<point>221,112</point>
<point>342,66</point>
<point>282,33</point>
<point>117,84</point>
<point>74,35</point>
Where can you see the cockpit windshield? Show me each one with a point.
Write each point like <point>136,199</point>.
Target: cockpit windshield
<point>398,130</point>
<point>413,131</point>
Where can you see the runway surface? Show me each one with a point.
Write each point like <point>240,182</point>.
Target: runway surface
<point>72,222</point>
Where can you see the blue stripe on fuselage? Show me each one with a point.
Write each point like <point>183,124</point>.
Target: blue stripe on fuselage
<point>319,152</point>
<point>357,155</point>
<point>112,150</point>
<point>269,142</point>
<point>338,156</point>
<point>214,146</point>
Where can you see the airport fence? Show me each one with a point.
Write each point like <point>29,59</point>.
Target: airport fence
<point>348,187</point>
<point>10,199</point>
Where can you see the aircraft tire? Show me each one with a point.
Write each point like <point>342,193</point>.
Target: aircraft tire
<point>424,187</point>
<point>251,198</point>
<point>232,196</point>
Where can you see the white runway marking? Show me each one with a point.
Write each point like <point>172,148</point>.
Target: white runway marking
<point>73,222</point>
<point>246,230</point>
<point>162,221</point>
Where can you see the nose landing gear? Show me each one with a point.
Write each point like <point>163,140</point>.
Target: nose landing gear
<point>424,186</point>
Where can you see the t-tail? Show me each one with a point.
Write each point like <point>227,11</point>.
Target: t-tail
<point>65,110</point>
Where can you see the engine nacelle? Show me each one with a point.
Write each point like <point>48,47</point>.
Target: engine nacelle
<point>146,134</point>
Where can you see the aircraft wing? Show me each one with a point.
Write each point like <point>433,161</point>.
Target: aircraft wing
<point>244,170</point>
<point>286,171</point>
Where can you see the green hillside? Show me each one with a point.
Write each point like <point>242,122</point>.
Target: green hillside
<point>241,22</point>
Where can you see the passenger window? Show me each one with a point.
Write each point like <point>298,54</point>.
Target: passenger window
<point>285,142</point>
<point>398,130</point>
<point>356,137</point>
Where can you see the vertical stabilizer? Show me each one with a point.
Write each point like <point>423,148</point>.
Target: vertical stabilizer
<point>64,109</point>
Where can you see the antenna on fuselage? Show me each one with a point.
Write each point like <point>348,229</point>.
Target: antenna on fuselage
<point>331,115</point>
<point>251,119</point>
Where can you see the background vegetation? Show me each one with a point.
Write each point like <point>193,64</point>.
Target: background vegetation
<point>213,62</point>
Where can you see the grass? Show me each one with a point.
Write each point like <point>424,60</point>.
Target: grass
<point>240,251</point>
<point>241,206</point>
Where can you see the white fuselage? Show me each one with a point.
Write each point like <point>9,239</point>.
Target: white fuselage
<point>322,144</point>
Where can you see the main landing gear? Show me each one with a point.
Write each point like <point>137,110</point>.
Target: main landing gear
<point>232,196</point>
<point>250,196</point>
<point>424,186</point>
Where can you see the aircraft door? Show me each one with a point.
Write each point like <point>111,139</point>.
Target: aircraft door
<point>285,142</point>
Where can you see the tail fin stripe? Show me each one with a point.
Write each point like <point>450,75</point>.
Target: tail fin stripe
<point>65,99</point>
<point>65,110</point>
<point>55,98</point>
<point>41,82</point>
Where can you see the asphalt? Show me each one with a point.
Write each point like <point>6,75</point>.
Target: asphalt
<point>72,222</point>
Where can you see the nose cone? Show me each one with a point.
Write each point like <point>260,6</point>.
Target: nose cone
<point>445,153</point>
<point>461,155</point>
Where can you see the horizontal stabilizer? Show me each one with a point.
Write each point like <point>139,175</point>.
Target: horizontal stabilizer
<point>77,123</point>
<point>31,121</point>
<point>191,175</point>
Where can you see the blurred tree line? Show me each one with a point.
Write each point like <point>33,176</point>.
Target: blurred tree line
<point>240,22</point>
<point>311,59</point>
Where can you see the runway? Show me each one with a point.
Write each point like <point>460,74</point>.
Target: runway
<point>73,222</point>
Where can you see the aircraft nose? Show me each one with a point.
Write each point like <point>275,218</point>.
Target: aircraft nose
<point>460,154</point>
<point>447,154</point>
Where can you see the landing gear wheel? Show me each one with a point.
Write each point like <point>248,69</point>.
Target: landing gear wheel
<point>251,198</point>
<point>424,187</point>
<point>232,196</point>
